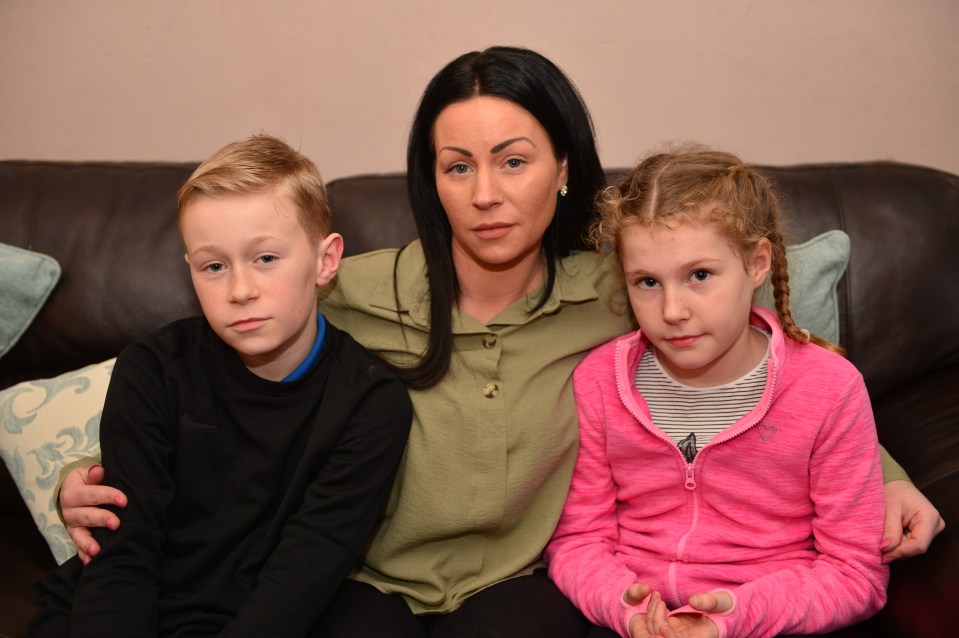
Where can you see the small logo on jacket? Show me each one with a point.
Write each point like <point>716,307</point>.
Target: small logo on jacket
<point>767,431</point>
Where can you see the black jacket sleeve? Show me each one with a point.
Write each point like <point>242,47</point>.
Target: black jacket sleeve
<point>118,590</point>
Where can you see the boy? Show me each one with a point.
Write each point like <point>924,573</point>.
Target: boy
<point>257,444</point>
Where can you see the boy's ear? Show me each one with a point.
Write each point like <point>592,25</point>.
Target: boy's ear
<point>760,262</point>
<point>329,253</point>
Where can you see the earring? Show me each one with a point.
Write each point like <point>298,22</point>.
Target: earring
<point>563,191</point>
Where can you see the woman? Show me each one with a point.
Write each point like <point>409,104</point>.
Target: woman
<point>503,168</point>
<point>485,318</point>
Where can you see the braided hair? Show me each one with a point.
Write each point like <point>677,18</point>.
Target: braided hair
<point>694,183</point>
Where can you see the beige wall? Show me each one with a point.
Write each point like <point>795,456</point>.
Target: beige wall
<point>777,81</point>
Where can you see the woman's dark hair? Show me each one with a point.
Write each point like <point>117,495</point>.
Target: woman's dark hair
<point>528,79</point>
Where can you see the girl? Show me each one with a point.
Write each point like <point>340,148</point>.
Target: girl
<point>729,467</point>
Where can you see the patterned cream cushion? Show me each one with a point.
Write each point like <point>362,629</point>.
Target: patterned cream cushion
<point>44,425</point>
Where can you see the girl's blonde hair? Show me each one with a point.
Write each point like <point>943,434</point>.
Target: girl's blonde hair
<point>696,184</point>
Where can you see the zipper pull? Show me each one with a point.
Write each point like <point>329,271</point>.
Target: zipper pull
<point>690,481</point>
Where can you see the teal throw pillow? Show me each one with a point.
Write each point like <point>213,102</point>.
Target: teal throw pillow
<point>26,279</point>
<point>815,268</point>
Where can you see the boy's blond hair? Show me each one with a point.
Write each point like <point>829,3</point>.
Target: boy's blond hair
<point>257,164</point>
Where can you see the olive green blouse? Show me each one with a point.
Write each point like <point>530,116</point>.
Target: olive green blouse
<point>492,447</point>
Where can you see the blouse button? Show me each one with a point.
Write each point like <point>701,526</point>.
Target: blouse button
<point>489,340</point>
<point>490,390</point>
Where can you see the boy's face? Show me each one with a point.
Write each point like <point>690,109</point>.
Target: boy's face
<point>255,271</point>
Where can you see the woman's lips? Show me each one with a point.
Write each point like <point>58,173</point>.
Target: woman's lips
<point>492,231</point>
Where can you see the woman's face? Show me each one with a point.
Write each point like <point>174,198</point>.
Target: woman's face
<point>498,180</point>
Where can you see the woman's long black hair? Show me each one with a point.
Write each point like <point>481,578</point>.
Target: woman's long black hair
<point>530,80</point>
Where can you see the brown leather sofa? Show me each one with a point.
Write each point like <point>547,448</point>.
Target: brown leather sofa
<point>111,227</point>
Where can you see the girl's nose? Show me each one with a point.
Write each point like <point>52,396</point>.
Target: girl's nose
<point>675,308</point>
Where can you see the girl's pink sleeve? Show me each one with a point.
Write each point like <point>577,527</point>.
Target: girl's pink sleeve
<point>846,583</point>
<point>581,555</point>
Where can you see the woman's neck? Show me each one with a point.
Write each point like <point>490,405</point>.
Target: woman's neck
<point>485,291</point>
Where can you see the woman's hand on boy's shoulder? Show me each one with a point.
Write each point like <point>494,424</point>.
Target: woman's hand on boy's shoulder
<point>81,497</point>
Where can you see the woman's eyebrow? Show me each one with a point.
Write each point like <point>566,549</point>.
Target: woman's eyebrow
<point>496,149</point>
<point>499,147</point>
<point>456,149</point>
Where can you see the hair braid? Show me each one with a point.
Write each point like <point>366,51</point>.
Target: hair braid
<point>779,278</point>
<point>695,183</point>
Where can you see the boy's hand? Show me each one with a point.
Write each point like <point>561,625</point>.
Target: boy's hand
<point>907,509</point>
<point>80,497</point>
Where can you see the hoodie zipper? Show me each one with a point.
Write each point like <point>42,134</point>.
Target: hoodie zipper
<point>689,469</point>
<point>689,480</point>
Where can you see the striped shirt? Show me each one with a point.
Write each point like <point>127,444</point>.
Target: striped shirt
<point>693,416</point>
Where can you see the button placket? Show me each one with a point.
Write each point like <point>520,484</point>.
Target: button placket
<point>490,340</point>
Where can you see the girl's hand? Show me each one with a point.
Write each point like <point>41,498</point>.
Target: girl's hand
<point>80,498</point>
<point>911,522</point>
<point>635,595</point>
<point>715,602</point>
<point>656,623</point>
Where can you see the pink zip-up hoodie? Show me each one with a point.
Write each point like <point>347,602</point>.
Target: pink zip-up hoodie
<point>784,508</point>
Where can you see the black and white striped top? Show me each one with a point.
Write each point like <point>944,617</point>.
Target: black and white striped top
<point>693,416</point>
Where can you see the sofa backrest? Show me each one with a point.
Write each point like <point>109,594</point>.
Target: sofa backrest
<point>112,228</point>
<point>899,301</point>
<point>899,311</point>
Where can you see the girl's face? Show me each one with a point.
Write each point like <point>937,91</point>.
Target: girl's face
<point>691,295</point>
<point>498,180</point>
